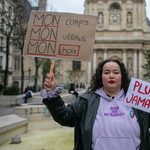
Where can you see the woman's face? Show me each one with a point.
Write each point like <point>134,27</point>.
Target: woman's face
<point>111,78</point>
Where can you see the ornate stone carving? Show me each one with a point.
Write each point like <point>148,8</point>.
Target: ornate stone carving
<point>115,17</point>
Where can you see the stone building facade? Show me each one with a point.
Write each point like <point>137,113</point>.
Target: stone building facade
<point>6,5</point>
<point>122,33</point>
<point>29,62</point>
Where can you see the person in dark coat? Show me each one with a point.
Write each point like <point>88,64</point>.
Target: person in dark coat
<point>1,88</point>
<point>28,92</point>
<point>100,116</point>
<point>80,85</point>
<point>72,90</point>
<point>77,85</point>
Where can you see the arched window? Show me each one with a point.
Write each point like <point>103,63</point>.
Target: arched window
<point>114,6</point>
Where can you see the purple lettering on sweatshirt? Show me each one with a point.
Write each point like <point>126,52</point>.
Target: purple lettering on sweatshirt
<point>114,112</point>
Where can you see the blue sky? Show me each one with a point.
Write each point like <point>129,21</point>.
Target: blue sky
<point>77,6</point>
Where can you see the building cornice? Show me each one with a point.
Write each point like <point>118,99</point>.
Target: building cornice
<point>105,1</point>
<point>105,30</point>
<point>122,41</point>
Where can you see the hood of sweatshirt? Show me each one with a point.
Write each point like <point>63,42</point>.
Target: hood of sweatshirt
<point>103,94</point>
<point>115,125</point>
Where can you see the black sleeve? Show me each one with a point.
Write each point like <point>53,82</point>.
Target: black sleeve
<point>64,115</point>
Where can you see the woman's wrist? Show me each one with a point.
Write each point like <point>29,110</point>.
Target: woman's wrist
<point>51,94</point>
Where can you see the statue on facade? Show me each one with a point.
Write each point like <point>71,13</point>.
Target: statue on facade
<point>129,64</point>
<point>100,18</point>
<point>129,18</point>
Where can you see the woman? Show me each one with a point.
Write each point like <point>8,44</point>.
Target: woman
<point>101,119</point>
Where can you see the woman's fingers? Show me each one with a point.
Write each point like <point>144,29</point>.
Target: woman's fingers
<point>50,86</point>
<point>47,84</point>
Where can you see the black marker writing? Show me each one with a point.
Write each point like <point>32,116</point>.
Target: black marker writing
<point>41,47</point>
<point>76,22</point>
<point>74,37</point>
<point>44,33</point>
<point>46,20</point>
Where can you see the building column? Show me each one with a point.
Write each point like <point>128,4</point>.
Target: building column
<point>94,60</point>
<point>140,64</point>
<point>89,72</point>
<point>105,53</point>
<point>124,56</point>
<point>135,64</point>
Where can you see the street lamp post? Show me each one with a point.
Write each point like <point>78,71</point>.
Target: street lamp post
<point>29,71</point>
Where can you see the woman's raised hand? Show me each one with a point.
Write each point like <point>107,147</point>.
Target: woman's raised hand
<point>50,86</point>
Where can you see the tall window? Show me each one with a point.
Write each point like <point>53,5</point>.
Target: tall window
<point>1,43</point>
<point>2,24</point>
<point>76,65</point>
<point>10,12</point>
<point>16,63</point>
<point>17,44</point>
<point>1,78</point>
<point>16,83</point>
<point>1,59</point>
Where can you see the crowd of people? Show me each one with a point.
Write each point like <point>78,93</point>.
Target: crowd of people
<point>81,86</point>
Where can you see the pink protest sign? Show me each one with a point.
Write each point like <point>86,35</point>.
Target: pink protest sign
<point>138,95</point>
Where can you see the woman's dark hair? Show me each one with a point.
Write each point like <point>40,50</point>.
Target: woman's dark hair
<point>96,81</point>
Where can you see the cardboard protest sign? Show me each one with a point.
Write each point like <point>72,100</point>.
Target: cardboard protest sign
<point>138,95</point>
<point>60,35</point>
